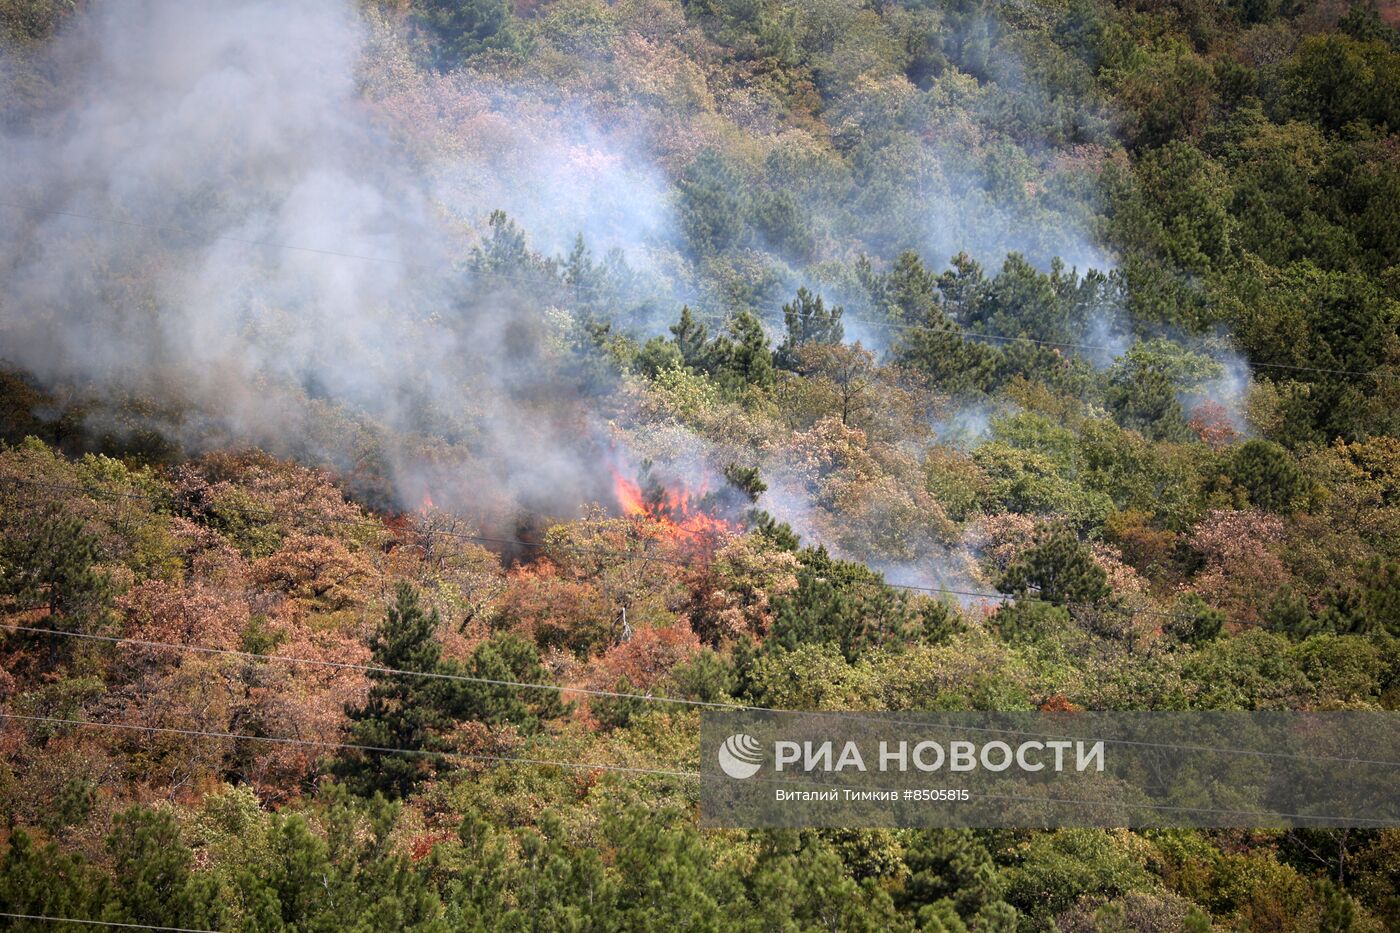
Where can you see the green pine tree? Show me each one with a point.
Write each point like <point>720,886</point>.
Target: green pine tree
<point>691,338</point>
<point>1060,570</point>
<point>743,357</point>
<point>1193,622</point>
<point>401,712</point>
<point>808,321</point>
<point>841,603</point>
<point>153,878</point>
<point>54,564</point>
<point>464,28</point>
<point>1268,474</point>
<point>713,204</point>
<point>40,880</point>
<point>949,866</point>
<point>503,657</point>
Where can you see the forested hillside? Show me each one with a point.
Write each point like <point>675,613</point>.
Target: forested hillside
<point>414,412</point>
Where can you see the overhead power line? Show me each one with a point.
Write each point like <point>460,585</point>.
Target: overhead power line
<point>349,746</point>
<point>881,718</point>
<point>365,668</point>
<point>104,923</point>
<point>663,772</point>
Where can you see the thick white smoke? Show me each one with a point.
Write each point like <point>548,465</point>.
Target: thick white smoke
<point>204,211</point>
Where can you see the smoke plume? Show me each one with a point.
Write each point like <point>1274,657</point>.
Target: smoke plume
<point>205,212</point>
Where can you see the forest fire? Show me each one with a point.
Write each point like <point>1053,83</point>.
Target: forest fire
<point>675,509</point>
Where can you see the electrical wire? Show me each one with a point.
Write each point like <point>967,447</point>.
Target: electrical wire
<point>884,719</point>
<point>366,668</point>
<point>350,746</point>
<point>688,775</point>
<point>104,923</point>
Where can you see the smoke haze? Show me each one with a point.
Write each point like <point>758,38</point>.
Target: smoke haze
<point>209,215</point>
<point>207,210</point>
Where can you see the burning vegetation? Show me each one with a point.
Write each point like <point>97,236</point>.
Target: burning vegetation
<point>675,509</point>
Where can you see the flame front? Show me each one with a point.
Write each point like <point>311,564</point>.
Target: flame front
<point>674,510</point>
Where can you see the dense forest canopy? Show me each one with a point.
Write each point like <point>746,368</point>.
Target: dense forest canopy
<point>394,393</point>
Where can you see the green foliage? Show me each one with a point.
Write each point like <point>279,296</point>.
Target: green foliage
<point>1023,301</point>
<point>32,20</point>
<point>258,638</point>
<point>154,881</point>
<point>936,621</point>
<point>1193,622</point>
<point>27,411</point>
<point>742,357</point>
<point>1290,614</point>
<point>1376,873</point>
<point>1030,309</point>
<point>508,659</point>
<point>1027,621</point>
<point>505,252</point>
<point>737,360</point>
<point>808,321</point>
<point>810,676</point>
<point>1168,92</point>
<point>708,677</point>
<point>953,364</point>
<point>616,712</point>
<point>71,804</point>
<point>1029,482</point>
<point>663,873</point>
<point>949,866</point>
<point>839,603</point>
<point>1268,474</point>
<point>1059,569</point>
<point>1054,869</point>
<point>1176,208</point>
<point>1334,80</point>
<point>779,533</point>
<point>799,878</point>
<point>746,479</point>
<point>416,713</point>
<point>464,28</point>
<point>53,563</point>
<point>1143,398</point>
<point>1303,316</point>
<point>657,355</point>
<point>908,293</point>
<point>1372,605</point>
<point>713,204</point>
<point>42,880</point>
<point>691,339</point>
<point>335,867</point>
<point>402,712</point>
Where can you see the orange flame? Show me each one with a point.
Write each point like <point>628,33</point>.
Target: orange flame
<point>674,510</point>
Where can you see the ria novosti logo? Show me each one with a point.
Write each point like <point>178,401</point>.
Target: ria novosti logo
<point>740,756</point>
